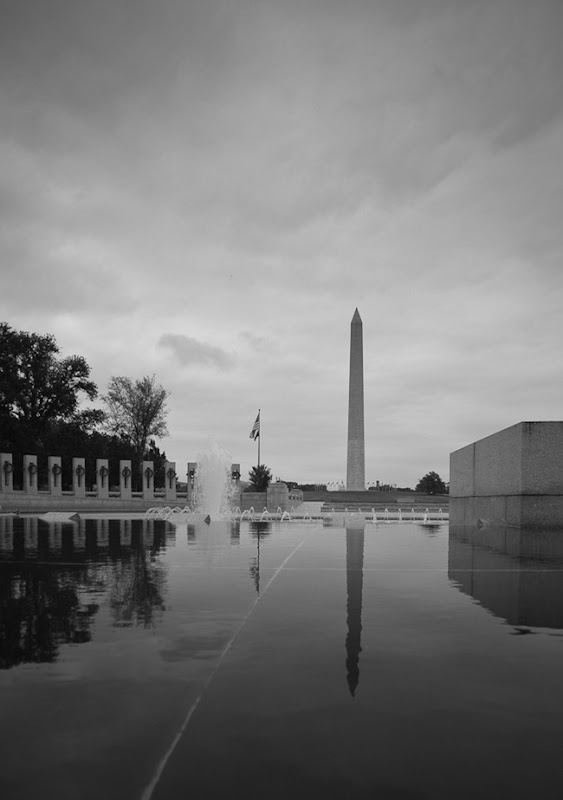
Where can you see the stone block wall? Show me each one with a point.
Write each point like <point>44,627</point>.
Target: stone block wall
<point>276,496</point>
<point>513,477</point>
<point>255,500</point>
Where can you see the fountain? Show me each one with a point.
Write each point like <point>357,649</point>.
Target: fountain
<point>214,492</point>
<point>213,488</point>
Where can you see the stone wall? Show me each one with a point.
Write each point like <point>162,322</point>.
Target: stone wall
<point>513,477</point>
<point>276,496</point>
<point>255,500</point>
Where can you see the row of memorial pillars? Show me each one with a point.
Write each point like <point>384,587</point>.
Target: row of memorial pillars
<point>54,477</point>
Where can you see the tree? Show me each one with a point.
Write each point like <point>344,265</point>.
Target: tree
<point>40,396</point>
<point>67,440</point>
<point>260,478</point>
<point>38,389</point>
<point>431,483</point>
<point>136,411</point>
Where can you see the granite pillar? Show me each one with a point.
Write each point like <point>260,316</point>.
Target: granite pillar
<point>148,480</point>
<point>79,477</point>
<point>30,474</point>
<point>102,477</point>
<point>170,480</point>
<point>6,472</point>
<point>125,476</point>
<point>55,476</point>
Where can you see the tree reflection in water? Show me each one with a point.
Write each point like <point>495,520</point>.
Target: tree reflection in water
<point>40,610</point>
<point>137,585</point>
<point>53,579</point>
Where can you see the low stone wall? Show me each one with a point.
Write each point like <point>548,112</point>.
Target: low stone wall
<point>276,496</point>
<point>368,499</point>
<point>513,477</point>
<point>255,500</point>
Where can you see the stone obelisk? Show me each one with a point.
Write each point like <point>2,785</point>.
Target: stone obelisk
<point>355,466</point>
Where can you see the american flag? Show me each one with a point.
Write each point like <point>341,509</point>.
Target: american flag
<point>255,432</point>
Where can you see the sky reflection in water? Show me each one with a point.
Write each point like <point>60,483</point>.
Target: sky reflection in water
<point>391,661</point>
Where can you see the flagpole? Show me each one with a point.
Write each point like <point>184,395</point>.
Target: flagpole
<point>259,435</point>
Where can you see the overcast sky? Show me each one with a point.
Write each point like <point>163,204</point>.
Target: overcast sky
<point>206,190</point>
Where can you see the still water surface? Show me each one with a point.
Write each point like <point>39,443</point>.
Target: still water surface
<point>273,660</point>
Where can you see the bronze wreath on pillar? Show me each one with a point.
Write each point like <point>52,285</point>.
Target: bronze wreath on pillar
<point>8,469</point>
<point>103,473</point>
<point>32,470</point>
<point>148,475</point>
<point>170,474</point>
<point>80,471</point>
<point>56,469</point>
<point>126,472</point>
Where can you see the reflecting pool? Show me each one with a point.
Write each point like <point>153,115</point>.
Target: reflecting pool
<point>142,659</point>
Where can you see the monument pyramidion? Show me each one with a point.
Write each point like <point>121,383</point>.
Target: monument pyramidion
<point>355,465</point>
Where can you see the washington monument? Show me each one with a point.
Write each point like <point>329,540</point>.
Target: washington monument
<point>355,466</point>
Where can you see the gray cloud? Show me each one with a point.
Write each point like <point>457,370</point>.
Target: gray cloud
<point>261,344</point>
<point>188,351</point>
<point>264,168</point>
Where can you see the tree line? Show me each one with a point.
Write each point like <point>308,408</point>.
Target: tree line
<point>260,478</point>
<point>42,411</point>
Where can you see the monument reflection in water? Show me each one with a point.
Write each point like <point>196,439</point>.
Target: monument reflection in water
<point>56,575</point>
<point>319,660</point>
<point>354,585</point>
<point>354,582</point>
